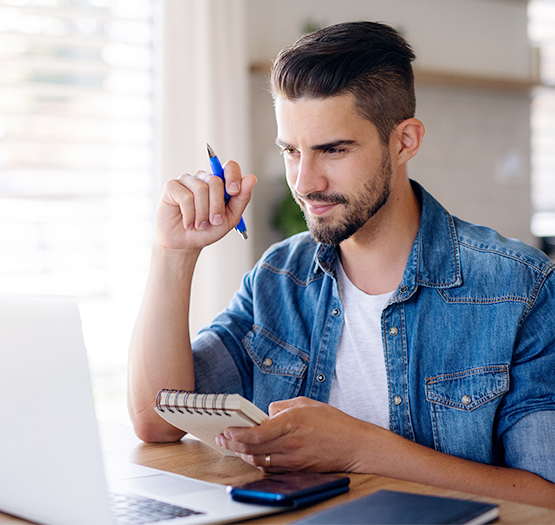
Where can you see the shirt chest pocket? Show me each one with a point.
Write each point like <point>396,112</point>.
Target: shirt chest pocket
<point>463,407</point>
<point>279,368</point>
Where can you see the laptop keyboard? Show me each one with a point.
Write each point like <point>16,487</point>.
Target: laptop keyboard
<point>130,509</point>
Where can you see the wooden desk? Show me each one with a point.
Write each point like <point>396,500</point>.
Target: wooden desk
<point>192,458</point>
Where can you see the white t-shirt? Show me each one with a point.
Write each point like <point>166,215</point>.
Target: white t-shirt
<point>359,384</point>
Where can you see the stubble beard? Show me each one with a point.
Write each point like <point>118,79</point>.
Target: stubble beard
<point>357,209</point>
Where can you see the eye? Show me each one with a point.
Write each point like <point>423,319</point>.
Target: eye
<point>287,150</point>
<point>334,151</point>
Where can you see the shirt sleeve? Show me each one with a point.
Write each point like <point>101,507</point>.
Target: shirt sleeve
<point>220,360</point>
<point>529,444</point>
<point>526,424</point>
<point>215,369</point>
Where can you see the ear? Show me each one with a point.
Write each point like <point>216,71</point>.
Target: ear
<point>406,139</point>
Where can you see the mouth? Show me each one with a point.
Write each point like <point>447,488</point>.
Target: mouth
<point>319,208</point>
<point>318,204</point>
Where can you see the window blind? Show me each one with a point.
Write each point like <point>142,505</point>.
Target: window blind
<point>77,157</point>
<point>542,34</point>
<point>76,151</point>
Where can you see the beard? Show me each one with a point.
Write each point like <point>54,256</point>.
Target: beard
<point>358,208</point>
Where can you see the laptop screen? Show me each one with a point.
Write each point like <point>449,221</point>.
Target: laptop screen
<point>50,455</point>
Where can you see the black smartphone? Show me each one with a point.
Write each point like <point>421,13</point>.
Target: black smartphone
<point>293,489</point>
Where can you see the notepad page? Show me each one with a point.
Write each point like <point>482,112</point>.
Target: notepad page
<point>207,426</point>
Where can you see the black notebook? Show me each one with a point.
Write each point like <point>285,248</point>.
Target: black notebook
<point>388,507</point>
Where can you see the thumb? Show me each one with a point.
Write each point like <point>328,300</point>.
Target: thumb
<point>238,202</point>
<point>279,406</point>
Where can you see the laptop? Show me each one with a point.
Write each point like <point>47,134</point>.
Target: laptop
<point>51,465</point>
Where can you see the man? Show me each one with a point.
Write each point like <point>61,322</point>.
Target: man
<point>394,338</point>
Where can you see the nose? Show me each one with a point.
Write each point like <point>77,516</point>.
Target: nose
<point>307,177</point>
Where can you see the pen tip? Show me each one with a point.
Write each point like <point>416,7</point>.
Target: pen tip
<point>210,151</point>
<point>244,235</point>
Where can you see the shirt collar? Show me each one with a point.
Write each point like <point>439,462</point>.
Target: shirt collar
<point>434,260</point>
<point>325,259</point>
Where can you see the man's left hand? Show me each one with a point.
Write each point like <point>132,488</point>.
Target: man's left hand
<point>301,434</point>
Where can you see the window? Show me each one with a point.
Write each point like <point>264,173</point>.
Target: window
<point>542,34</point>
<point>76,164</point>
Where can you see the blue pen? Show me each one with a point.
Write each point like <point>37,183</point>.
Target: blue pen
<point>219,172</point>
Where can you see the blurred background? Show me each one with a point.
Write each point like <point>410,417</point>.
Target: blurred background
<point>102,101</point>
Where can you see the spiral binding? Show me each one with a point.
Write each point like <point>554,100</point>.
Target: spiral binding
<point>193,407</point>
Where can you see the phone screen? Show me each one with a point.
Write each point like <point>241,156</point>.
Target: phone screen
<point>292,488</point>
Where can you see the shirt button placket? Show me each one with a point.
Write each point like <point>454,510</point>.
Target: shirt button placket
<point>396,370</point>
<point>321,384</point>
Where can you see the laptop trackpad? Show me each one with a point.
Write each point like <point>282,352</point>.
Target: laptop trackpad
<point>162,485</point>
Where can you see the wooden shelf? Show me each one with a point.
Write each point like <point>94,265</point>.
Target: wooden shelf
<point>443,78</point>
<point>262,68</point>
<point>446,78</point>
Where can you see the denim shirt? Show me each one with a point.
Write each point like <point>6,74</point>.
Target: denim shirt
<point>468,339</point>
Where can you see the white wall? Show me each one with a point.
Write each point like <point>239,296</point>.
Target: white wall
<point>478,36</point>
<point>205,98</point>
<point>475,157</point>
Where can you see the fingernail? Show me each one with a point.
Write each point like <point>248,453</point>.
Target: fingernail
<point>219,441</point>
<point>191,226</point>
<point>233,187</point>
<point>203,225</point>
<point>217,220</point>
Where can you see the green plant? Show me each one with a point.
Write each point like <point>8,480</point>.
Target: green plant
<point>288,217</point>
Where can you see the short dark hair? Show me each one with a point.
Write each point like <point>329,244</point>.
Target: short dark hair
<point>369,60</point>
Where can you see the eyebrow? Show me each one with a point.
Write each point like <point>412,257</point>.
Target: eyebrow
<point>320,147</point>
<point>280,143</point>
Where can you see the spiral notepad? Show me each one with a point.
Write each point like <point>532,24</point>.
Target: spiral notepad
<point>207,415</point>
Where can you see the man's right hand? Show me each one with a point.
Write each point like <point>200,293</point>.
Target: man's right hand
<point>192,212</point>
<point>191,215</point>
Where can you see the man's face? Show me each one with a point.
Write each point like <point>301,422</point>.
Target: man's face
<point>338,170</point>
